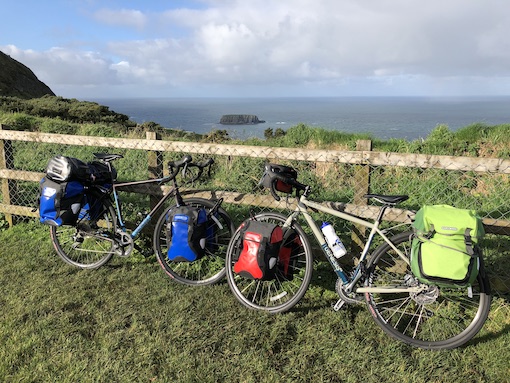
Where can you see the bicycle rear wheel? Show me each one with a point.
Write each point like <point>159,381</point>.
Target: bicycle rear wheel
<point>437,318</point>
<point>89,244</point>
<point>283,291</point>
<point>210,268</point>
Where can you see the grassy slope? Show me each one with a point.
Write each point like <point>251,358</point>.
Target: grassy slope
<point>128,322</point>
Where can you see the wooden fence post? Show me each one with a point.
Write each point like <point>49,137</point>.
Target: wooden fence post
<point>362,182</point>
<point>8,186</point>
<point>155,165</point>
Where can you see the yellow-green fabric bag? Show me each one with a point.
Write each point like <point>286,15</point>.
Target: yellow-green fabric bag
<point>445,249</point>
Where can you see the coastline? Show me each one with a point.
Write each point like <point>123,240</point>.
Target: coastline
<point>409,118</point>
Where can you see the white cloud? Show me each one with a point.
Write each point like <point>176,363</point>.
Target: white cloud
<point>60,66</point>
<point>376,45</point>
<point>123,17</point>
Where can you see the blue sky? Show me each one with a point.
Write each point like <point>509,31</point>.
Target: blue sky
<point>237,48</point>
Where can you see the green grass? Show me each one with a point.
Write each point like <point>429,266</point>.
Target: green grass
<point>127,322</point>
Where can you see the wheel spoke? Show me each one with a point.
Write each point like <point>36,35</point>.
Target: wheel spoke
<point>210,268</point>
<point>435,318</point>
<point>90,248</point>
<point>283,291</point>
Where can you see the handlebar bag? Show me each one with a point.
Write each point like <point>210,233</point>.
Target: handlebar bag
<point>283,170</point>
<point>258,257</point>
<point>444,250</point>
<point>186,233</point>
<point>60,202</point>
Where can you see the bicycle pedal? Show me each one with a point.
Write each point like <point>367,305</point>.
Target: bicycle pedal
<point>338,305</point>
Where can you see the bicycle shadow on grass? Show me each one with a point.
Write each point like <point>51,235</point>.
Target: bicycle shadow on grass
<point>324,276</point>
<point>304,308</point>
<point>321,293</point>
<point>488,337</point>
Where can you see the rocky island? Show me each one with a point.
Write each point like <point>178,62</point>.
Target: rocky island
<point>240,119</point>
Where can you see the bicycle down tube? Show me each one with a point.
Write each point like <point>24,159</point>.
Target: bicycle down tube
<point>150,215</point>
<point>302,206</point>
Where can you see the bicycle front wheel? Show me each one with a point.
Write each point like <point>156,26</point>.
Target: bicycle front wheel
<point>437,318</point>
<point>210,268</point>
<point>282,292</point>
<point>90,243</point>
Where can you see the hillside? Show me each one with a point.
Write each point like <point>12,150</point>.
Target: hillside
<point>16,80</point>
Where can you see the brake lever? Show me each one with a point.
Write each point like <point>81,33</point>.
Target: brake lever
<point>273,191</point>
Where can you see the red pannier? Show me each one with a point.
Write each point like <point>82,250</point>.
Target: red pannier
<point>261,242</point>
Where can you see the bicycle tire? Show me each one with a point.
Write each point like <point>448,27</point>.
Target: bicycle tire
<point>281,293</point>
<point>88,244</point>
<point>438,318</point>
<point>210,268</point>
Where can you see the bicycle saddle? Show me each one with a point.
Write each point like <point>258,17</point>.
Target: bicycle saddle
<point>391,199</point>
<point>107,157</point>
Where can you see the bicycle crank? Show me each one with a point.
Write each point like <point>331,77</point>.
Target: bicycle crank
<point>123,244</point>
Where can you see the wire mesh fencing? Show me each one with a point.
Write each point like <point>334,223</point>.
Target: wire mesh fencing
<point>338,178</point>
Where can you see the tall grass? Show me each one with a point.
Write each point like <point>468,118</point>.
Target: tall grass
<point>127,322</point>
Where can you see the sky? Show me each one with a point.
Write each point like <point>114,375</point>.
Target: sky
<point>90,49</point>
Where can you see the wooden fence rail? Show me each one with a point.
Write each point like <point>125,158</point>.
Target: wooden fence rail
<point>363,158</point>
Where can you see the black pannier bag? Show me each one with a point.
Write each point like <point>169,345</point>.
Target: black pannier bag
<point>92,208</point>
<point>62,169</point>
<point>211,233</point>
<point>60,202</point>
<point>289,253</point>
<point>261,243</point>
<point>186,233</point>
<point>286,171</point>
<point>101,174</point>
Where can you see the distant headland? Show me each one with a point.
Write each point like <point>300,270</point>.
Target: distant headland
<point>240,119</point>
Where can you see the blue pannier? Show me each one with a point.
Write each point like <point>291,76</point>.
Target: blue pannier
<point>60,202</point>
<point>186,233</point>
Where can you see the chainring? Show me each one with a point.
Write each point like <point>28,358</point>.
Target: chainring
<point>351,298</point>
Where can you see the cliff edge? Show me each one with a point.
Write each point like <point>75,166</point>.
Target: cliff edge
<point>16,80</point>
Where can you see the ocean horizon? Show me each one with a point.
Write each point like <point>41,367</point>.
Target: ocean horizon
<point>409,118</point>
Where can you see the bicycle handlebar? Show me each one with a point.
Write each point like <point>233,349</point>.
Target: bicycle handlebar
<point>288,180</point>
<point>274,177</point>
<point>185,163</point>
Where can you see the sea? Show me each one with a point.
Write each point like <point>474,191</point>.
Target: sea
<point>409,118</point>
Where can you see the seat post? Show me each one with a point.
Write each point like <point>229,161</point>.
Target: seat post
<point>381,212</point>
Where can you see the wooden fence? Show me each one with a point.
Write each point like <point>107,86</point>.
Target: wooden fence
<point>363,159</point>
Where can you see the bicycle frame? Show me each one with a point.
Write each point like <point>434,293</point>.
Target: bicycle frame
<point>149,215</point>
<point>302,208</point>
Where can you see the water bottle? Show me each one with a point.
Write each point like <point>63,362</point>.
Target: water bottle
<point>336,246</point>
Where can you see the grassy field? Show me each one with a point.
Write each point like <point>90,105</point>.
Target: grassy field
<point>128,322</point>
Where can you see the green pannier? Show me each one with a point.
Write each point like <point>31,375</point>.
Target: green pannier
<point>445,249</point>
